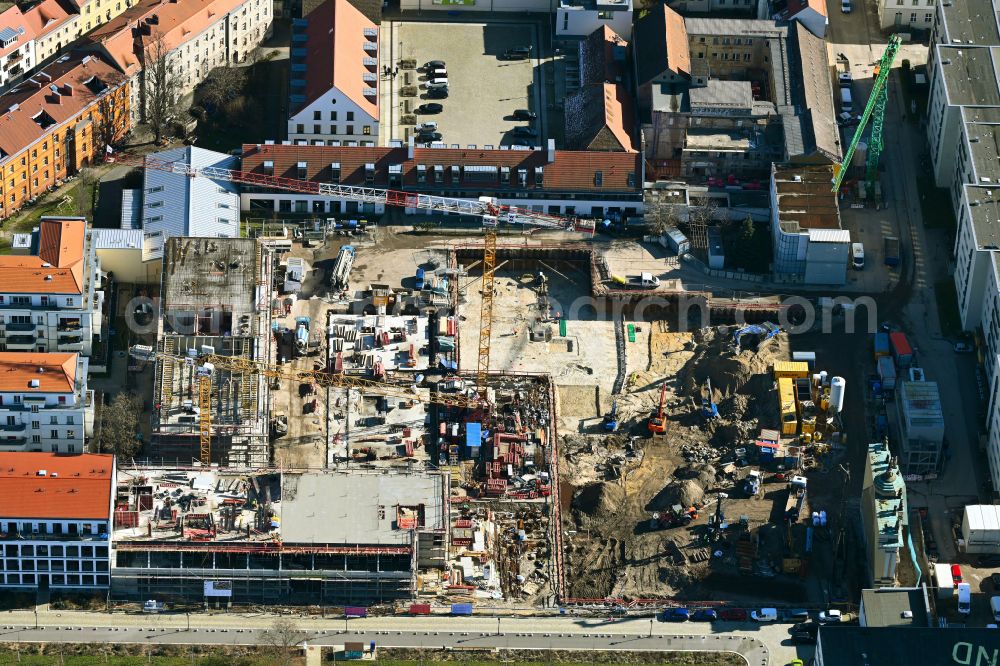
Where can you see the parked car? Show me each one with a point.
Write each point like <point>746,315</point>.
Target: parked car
<point>428,137</point>
<point>677,615</point>
<point>523,130</point>
<point>524,114</point>
<point>433,64</point>
<point>704,615</point>
<point>846,79</point>
<point>733,615</point>
<point>845,6</point>
<point>831,616</point>
<point>795,615</point>
<point>428,126</point>
<point>764,615</point>
<point>430,108</point>
<point>437,93</point>
<point>963,348</point>
<point>804,633</point>
<point>956,574</point>
<point>517,53</point>
<point>437,82</point>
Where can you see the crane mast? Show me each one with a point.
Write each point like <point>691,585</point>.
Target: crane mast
<point>874,113</point>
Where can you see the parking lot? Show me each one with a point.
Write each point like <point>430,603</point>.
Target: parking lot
<point>484,89</point>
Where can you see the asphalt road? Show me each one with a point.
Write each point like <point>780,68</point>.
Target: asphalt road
<point>760,645</point>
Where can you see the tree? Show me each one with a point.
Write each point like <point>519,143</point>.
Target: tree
<point>223,86</point>
<point>159,87</point>
<point>119,425</point>
<point>112,116</point>
<point>283,637</point>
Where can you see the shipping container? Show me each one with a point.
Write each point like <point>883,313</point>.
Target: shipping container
<point>420,609</point>
<point>473,437</point>
<point>943,581</point>
<point>461,609</point>
<point>887,373</point>
<point>807,357</point>
<point>891,245</point>
<point>355,611</point>
<point>790,369</point>
<point>881,344</point>
<point>901,350</point>
<point>677,241</point>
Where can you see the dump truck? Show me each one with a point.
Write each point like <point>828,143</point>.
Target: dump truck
<point>751,484</point>
<point>796,498</point>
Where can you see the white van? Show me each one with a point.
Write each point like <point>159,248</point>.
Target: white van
<point>846,101</point>
<point>437,82</point>
<point>765,615</point>
<point>858,255</point>
<point>995,607</point>
<point>964,598</point>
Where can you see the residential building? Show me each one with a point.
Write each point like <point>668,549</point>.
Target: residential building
<point>809,243</point>
<point>128,254</point>
<point>52,298</point>
<point>44,402</point>
<point>194,36</point>
<point>600,115</point>
<point>920,426</point>
<point>906,15</point>
<point>885,518</point>
<point>491,6</point>
<point>95,13</point>
<point>661,56</point>
<point>895,607</point>
<point>580,18</point>
<point>17,46</point>
<point>729,8</point>
<point>905,646</point>
<point>588,184</point>
<point>55,25</point>
<point>51,125</point>
<point>335,76</point>
<point>173,204</point>
<point>810,13</point>
<point>215,292</point>
<point>55,521</point>
<point>366,545</point>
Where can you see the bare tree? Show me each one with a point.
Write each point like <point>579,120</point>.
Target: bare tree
<point>223,86</point>
<point>83,193</point>
<point>112,116</point>
<point>700,217</point>
<point>159,87</point>
<point>283,637</point>
<point>119,425</point>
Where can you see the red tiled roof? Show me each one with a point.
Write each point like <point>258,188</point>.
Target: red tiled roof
<point>47,16</point>
<point>74,486</point>
<point>14,19</point>
<point>61,244</point>
<point>597,61</point>
<point>572,171</point>
<point>54,371</point>
<point>335,53</point>
<point>796,6</point>
<point>34,99</point>
<point>597,107</point>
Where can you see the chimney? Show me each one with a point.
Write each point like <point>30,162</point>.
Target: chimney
<point>68,90</point>
<point>551,156</point>
<point>409,148</point>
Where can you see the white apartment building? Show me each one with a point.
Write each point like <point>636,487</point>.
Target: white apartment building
<point>56,521</point>
<point>55,26</point>
<point>334,77</point>
<point>904,15</point>
<point>17,47</point>
<point>579,18</point>
<point>44,402</point>
<point>51,298</point>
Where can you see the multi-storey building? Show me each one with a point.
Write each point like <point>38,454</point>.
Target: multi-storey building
<point>335,76</point>
<point>49,125</point>
<point>193,37</point>
<point>44,402</point>
<point>579,18</point>
<point>51,299</point>
<point>906,15</point>
<point>600,115</point>
<point>17,46</point>
<point>55,521</point>
<point>55,25</point>
<point>568,182</point>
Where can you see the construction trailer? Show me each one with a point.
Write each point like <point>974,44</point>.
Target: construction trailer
<point>229,537</point>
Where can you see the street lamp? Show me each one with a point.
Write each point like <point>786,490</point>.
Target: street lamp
<point>498,625</point>
<point>650,627</point>
<point>187,615</point>
<point>36,617</point>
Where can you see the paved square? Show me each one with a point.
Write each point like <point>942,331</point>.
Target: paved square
<point>483,90</point>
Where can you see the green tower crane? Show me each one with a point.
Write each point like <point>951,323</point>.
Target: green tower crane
<point>875,113</point>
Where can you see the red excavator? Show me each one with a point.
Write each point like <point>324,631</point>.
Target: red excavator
<point>658,422</point>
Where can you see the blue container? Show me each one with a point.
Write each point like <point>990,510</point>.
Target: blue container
<point>881,344</point>
<point>461,609</point>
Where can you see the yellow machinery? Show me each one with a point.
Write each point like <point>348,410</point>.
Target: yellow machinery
<point>793,369</point>
<point>786,399</point>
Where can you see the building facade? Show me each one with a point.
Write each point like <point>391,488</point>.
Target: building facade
<point>17,46</point>
<point>51,125</point>
<point>58,305</point>
<point>561,182</point>
<point>55,521</point>
<point>55,25</point>
<point>579,18</point>
<point>335,76</point>
<point>906,15</point>
<point>44,402</point>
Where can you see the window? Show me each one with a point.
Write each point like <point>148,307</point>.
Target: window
<point>565,21</point>
<point>317,115</point>
<point>350,128</point>
<point>223,220</point>
<point>333,115</point>
<point>928,17</point>
<point>34,425</point>
<point>71,448</point>
<point>155,204</point>
<point>913,17</point>
<point>333,129</point>
<point>54,434</point>
<point>350,115</point>
<point>158,188</point>
<point>367,130</point>
<point>70,434</point>
<point>317,129</point>
<point>598,179</point>
<point>300,129</point>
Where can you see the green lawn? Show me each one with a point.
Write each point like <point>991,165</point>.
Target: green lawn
<point>947,305</point>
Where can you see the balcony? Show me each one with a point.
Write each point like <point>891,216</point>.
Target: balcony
<point>66,325</point>
<point>21,342</point>
<point>18,326</point>
<point>70,343</point>
<point>7,428</point>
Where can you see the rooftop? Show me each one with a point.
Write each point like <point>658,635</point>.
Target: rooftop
<point>599,117</point>
<point>16,27</point>
<point>57,264</point>
<point>73,486</point>
<point>360,508</point>
<point>970,75</point>
<point>54,372</point>
<point>983,517</point>
<point>46,16</point>
<point>984,148</point>
<point>210,273</point>
<point>339,39</point>
<point>734,27</point>
<point>984,211</point>
<point>903,646</point>
<point>804,197</point>
<point>971,22</point>
<point>51,97</point>
<point>602,57</point>
<point>809,79</point>
<point>708,140</point>
<point>117,239</point>
<point>474,168</point>
<point>885,607</point>
<point>662,41</point>
<point>722,94</point>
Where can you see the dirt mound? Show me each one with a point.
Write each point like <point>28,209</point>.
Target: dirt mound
<point>599,500</point>
<point>730,373</point>
<point>685,493</point>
